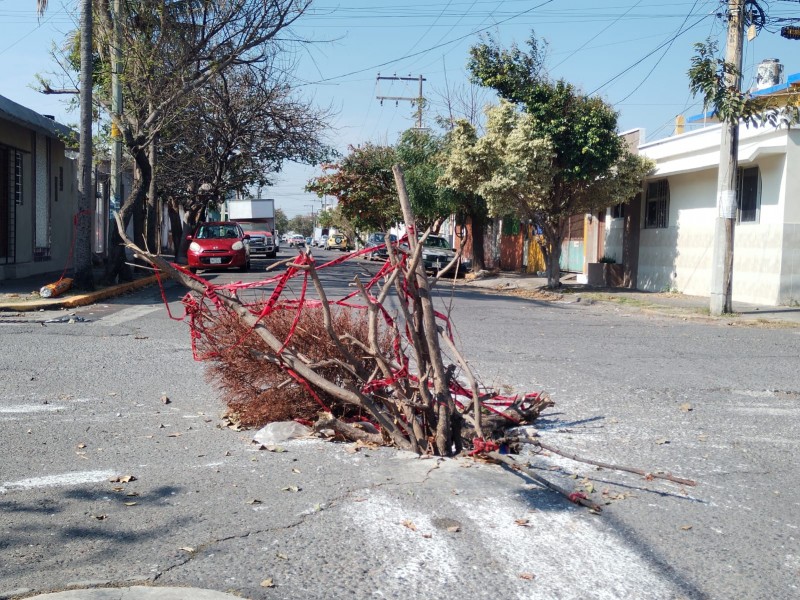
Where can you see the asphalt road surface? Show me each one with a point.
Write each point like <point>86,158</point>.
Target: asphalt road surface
<point>196,504</point>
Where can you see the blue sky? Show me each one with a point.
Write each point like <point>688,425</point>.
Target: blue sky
<point>634,54</point>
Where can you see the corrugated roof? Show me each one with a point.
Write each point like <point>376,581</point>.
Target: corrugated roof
<point>21,115</point>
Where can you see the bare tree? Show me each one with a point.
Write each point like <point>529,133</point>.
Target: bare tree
<point>172,49</point>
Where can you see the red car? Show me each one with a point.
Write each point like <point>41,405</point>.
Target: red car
<point>218,245</point>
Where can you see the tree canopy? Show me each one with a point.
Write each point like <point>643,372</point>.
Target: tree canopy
<point>364,184</point>
<point>549,151</point>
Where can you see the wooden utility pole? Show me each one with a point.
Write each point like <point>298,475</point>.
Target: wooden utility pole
<point>419,99</point>
<point>725,223</point>
<point>84,278</point>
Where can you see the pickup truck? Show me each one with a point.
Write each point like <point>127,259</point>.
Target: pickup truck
<point>261,240</point>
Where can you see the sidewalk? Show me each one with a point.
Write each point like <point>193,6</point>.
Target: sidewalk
<point>22,295</point>
<point>674,304</point>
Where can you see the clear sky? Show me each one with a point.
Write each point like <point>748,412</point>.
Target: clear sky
<point>634,54</point>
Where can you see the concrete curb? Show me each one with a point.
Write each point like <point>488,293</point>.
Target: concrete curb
<point>79,299</point>
<point>138,593</point>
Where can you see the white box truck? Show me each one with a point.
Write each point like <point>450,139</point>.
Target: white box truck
<point>257,218</point>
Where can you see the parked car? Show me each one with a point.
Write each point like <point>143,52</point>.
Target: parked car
<point>378,239</point>
<point>218,245</point>
<point>322,241</point>
<point>297,241</point>
<point>309,241</point>
<point>338,241</point>
<point>437,254</point>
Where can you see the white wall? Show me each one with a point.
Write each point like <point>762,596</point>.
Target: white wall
<point>766,254</point>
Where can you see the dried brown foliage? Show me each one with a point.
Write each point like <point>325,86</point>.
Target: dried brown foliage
<point>258,391</point>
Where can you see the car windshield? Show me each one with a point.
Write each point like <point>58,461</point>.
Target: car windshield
<point>436,242</point>
<point>213,232</point>
<point>254,227</point>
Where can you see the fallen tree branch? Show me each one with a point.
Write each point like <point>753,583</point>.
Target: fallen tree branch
<point>575,497</point>
<point>645,474</point>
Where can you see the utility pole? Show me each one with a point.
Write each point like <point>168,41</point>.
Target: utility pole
<point>419,99</point>
<point>725,224</point>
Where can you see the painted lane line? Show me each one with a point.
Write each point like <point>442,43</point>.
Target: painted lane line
<point>64,479</point>
<point>125,315</point>
<point>30,408</point>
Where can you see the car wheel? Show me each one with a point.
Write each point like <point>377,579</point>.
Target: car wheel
<point>245,267</point>
<point>193,270</point>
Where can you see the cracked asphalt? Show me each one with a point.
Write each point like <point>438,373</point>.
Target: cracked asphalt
<point>80,406</point>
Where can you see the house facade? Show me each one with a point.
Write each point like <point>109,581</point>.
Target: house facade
<point>665,237</point>
<point>38,192</point>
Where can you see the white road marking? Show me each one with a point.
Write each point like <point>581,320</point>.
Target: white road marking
<point>600,564</point>
<point>30,408</point>
<point>64,479</point>
<point>128,314</point>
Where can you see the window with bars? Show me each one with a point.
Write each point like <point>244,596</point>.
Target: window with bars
<point>656,214</point>
<point>749,195</point>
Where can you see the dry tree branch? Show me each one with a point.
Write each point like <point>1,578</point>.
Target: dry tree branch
<point>285,355</point>
<point>473,383</point>
<point>577,498</point>
<point>576,458</point>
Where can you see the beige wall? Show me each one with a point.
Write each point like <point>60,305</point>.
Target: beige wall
<point>61,204</point>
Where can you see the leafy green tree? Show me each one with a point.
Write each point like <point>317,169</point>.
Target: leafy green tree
<point>549,151</point>
<point>281,221</point>
<point>364,185</point>
<point>418,152</point>
<point>302,224</point>
<point>707,78</point>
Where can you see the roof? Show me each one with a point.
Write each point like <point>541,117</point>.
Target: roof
<point>21,115</point>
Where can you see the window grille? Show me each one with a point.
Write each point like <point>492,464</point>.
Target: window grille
<point>656,214</point>
<point>749,198</point>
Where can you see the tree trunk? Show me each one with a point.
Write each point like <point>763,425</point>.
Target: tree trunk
<point>478,219</point>
<point>84,278</point>
<point>151,211</point>
<point>552,253</point>
<point>192,216</point>
<point>116,268</point>
<point>175,227</point>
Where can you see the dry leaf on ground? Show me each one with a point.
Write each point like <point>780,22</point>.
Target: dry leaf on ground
<point>123,479</point>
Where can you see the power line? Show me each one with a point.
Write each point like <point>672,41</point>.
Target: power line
<point>458,39</point>
<point>658,62</point>
<point>649,54</point>
<point>598,34</point>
